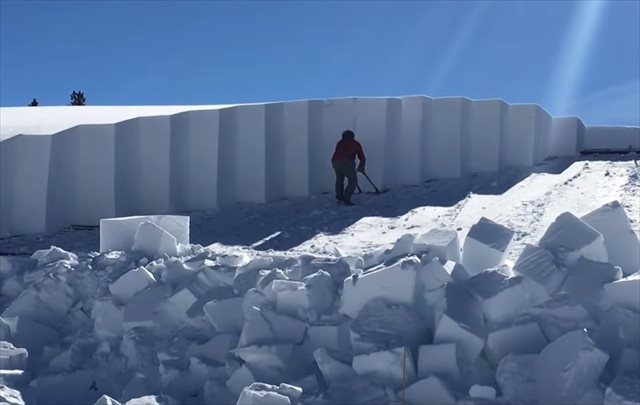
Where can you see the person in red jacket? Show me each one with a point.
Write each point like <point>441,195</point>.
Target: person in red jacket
<point>344,164</point>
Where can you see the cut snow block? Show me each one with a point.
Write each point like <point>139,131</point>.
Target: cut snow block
<point>518,339</point>
<point>333,371</point>
<point>130,283</point>
<point>267,327</point>
<point>333,337</point>
<point>568,238</point>
<point>449,331</point>
<point>610,138</point>
<point>621,242</point>
<point>249,396</point>
<point>568,367</point>
<point>482,391</point>
<point>444,137</point>
<point>395,283</point>
<point>440,243</point>
<point>503,298</point>
<point>239,379</point>
<point>320,291</point>
<point>389,325</point>
<point>525,131</point>
<point>12,358</point>
<point>481,143</point>
<point>153,241</point>
<point>439,360</point>
<point>225,315</point>
<point>563,138</point>
<point>516,376</point>
<point>106,400</point>
<point>537,264</point>
<point>295,152</point>
<point>24,175</point>
<point>625,390</point>
<point>371,124</point>
<point>142,307</point>
<point>268,363</point>
<point>486,245</point>
<point>585,281</point>
<point>119,233</point>
<point>107,319</point>
<point>409,140</point>
<point>624,292</point>
<point>386,367</point>
<point>291,297</point>
<point>29,334</point>
<point>431,390</point>
<point>619,329</point>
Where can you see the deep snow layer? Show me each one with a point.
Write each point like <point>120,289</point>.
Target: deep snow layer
<point>204,157</point>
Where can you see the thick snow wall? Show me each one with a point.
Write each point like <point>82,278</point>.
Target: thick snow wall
<point>207,158</point>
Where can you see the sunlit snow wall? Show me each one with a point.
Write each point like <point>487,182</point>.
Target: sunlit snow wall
<point>205,159</point>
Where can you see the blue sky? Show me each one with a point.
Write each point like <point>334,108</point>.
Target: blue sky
<point>574,58</point>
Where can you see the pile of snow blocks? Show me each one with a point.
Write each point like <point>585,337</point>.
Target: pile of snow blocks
<point>422,322</point>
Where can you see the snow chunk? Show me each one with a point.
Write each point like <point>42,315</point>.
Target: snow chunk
<point>386,367</point>
<point>52,255</point>
<point>431,389</point>
<point>251,396</point>
<point>516,376</point>
<point>619,335</point>
<point>382,324</point>
<point>130,283</point>
<point>333,337</point>
<point>518,339</point>
<point>438,360</point>
<point>321,291</point>
<point>538,265</point>
<point>266,327</point>
<point>568,367</point>
<point>225,315</point>
<point>396,284</point>
<point>621,242</point>
<point>585,282</point>
<point>291,297</point>
<point>106,400</point>
<point>482,391</point>
<point>215,348</point>
<point>10,396</point>
<point>119,233</point>
<point>625,390</point>
<point>440,243</point>
<point>624,292</point>
<point>569,238</point>
<point>29,334</point>
<point>153,241</point>
<point>332,370</point>
<point>12,358</point>
<point>268,362</point>
<point>141,309</point>
<point>486,245</point>
<point>240,378</point>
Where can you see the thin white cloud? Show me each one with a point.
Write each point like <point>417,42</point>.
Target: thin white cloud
<point>615,105</point>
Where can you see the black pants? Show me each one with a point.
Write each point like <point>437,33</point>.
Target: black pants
<point>345,168</point>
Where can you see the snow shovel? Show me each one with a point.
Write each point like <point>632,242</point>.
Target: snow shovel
<point>371,182</point>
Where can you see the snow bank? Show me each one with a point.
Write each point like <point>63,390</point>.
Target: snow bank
<point>78,165</point>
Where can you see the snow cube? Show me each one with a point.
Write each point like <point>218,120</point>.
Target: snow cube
<point>153,241</point>
<point>321,291</point>
<point>107,319</point>
<point>518,339</point>
<point>239,379</point>
<point>141,309</point>
<point>183,299</point>
<point>434,275</point>
<point>215,348</point>
<point>568,367</point>
<point>482,391</point>
<point>291,297</point>
<point>390,367</point>
<point>12,358</point>
<point>585,281</point>
<point>269,362</point>
<point>251,396</point>
<point>537,264</point>
<point>119,233</point>
<point>130,283</point>
<point>449,331</point>
<point>395,284</point>
<point>619,331</point>
<point>559,315</point>
<point>440,243</point>
<point>485,246</point>
<point>569,238</point>
<point>430,390</point>
<point>388,325</point>
<point>225,315</point>
<point>267,327</point>
<point>106,400</point>
<point>438,360</point>
<point>516,376</point>
<point>621,242</point>
<point>624,292</point>
<point>332,370</point>
<point>332,337</point>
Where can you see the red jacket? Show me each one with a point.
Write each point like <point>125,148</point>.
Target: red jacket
<point>348,149</point>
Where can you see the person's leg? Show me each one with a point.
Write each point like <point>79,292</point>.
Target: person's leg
<point>352,178</point>
<point>339,181</point>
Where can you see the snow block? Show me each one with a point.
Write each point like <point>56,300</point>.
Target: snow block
<point>270,363</point>
<point>332,370</point>
<point>153,241</point>
<point>481,144</point>
<point>225,315</point>
<point>267,327</point>
<point>585,281</point>
<point>537,264</point>
<point>386,367</point>
<point>295,155</point>
<point>618,334</point>
<point>142,307</point>
<point>624,390</point>
<point>486,245</point>
<point>106,400</point>
<point>24,175</point>
<point>320,292</point>
<point>438,360</point>
<point>430,390</point>
<point>29,334</point>
<point>396,284</point>
<point>503,298</point>
<point>526,129</point>
<point>444,137</point>
<point>563,138</point>
<point>387,325</point>
<point>621,242</point>
<point>410,139</point>
<point>569,238</point>
<point>449,331</point>
<point>291,297</point>
<point>130,283</point>
<point>516,376</point>
<point>568,367</point>
<point>249,396</point>
<point>119,233</point>
<point>10,396</point>
<point>194,160</point>
<point>440,243</point>
<point>624,292</point>
<point>107,319</point>
<point>482,391</point>
<point>371,120</point>
<point>333,337</point>
<point>518,339</point>
<point>240,378</point>
<point>609,138</point>
<point>142,151</point>
<point>12,358</point>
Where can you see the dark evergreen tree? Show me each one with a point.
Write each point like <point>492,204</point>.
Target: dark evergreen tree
<point>34,103</point>
<point>77,98</point>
